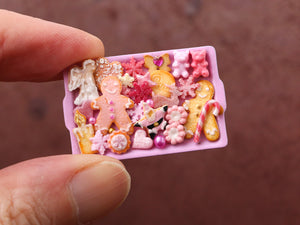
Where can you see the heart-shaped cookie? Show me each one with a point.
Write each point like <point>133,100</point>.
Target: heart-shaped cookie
<point>141,141</point>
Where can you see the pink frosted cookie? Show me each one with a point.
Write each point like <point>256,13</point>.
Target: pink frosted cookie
<point>153,119</point>
<point>174,133</point>
<point>141,141</point>
<point>112,106</point>
<point>176,114</point>
<point>187,87</point>
<point>119,142</point>
<point>199,63</point>
<point>134,67</point>
<point>99,142</point>
<point>181,64</point>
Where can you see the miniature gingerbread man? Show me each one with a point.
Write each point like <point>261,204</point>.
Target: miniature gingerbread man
<point>204,93</point>
<point>112,106</point>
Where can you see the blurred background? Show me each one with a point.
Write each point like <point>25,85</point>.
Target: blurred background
<point>255,179</point>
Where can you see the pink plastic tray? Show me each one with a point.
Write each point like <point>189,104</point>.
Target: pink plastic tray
<point>188,144</point>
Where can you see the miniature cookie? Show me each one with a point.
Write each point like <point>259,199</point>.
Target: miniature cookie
<point>174,133</point>
<point>112,106</point>
<point>204,93</point>
<point>162,79</point>
<point>119,142</point>
<point>83,133</point>
<point>181,64</point>
<point>83,78</point>
<point>157,63</point>
<point>104,69</point>
<point>153,119</point>
<point>141,141</point>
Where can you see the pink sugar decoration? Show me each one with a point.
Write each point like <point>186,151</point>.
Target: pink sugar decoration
<point>140,92</point>
<point>187,87</point>
<point>158,61</point>
<point>134,67</point>
<point>137,112</point>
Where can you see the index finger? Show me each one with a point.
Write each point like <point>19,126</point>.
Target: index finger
<point>32,49</point>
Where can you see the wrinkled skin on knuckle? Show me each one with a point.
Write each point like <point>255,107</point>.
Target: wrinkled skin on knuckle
<point>18,208</point>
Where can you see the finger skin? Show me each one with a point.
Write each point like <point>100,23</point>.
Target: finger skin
<point>38,191</point>
<point>32,49</point>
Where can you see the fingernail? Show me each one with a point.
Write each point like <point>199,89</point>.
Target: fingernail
<point>99,189</point>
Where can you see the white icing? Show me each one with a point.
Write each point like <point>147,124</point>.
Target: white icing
<point>128,104</point>
<point>119,142</point>
<point>84,79</point>
<point>202,96</point>
<point>211,132</point>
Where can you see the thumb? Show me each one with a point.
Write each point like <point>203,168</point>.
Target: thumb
<point>66,189</point>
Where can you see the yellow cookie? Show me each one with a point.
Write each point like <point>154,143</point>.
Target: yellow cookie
<point>83,133</point>
<point>204,92</point>
<point>162,79</point>
<point>157,63</point>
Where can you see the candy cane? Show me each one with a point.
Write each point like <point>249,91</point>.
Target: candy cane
<point>203,115</point>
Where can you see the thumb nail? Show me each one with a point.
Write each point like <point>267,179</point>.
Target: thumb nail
<point>99,189</point>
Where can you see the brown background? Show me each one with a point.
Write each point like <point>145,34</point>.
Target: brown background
<point>255,180</point>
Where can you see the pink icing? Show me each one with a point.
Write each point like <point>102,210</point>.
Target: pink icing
<point>174,133</point>
<point>176,114</point>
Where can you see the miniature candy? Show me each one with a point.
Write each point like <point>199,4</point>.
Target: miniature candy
<point>212,131</point>
<point>160,141</point>
<point>181,64</point>
<point>199,63</point>
<point>83,78</point>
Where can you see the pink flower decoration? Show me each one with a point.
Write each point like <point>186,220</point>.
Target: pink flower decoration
<point>174,133</point>
<point>176,114</point>
<point>134,67</point>
<point>187,87</point>
<point>99,142</point>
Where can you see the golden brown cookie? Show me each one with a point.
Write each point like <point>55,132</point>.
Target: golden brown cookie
<point>163,79</point>
<point>157,63</point>
<point>83,133</point>
<point>204,92</point>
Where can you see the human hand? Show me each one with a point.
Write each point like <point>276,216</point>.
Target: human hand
<point>66,189</point>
